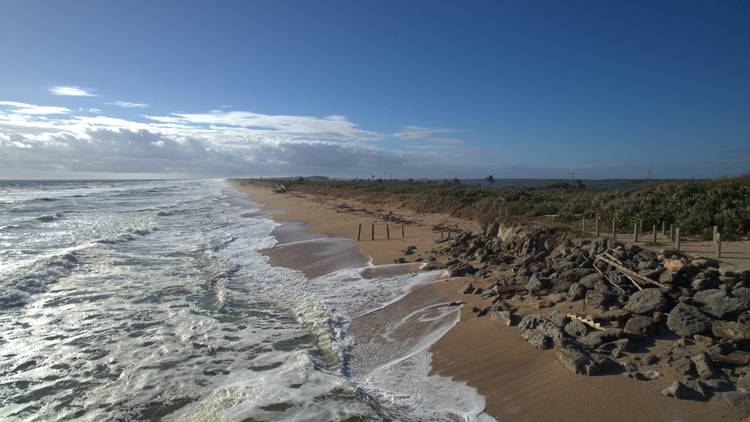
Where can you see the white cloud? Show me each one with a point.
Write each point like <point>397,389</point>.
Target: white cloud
<point>24,108</point>
<point>415,133</point>
<point>128,104</point>
<point>71,91</point>
<point>55,142</point>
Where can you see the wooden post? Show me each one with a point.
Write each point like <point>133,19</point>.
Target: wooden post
<point>403,233</point>
<point>635,232</point>
<point>583,225</point>
<point>359,231</point>
<point>677,239</point>
<point>716,231</point>
<point>663,227</point>
<point>640,225</point>
<point>653,234</point>
<point>598,227</point>
<point>671,232</point>
<point>387,232</point>
<point>614,229</point>
<point>372,231</point>
<point>441,235</point>
<point>718,244</point>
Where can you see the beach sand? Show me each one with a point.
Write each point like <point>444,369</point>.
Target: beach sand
<point>519,382</point>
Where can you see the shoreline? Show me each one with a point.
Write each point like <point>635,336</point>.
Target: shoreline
<point>517,381</point>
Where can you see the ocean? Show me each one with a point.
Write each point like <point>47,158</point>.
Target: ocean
<point>147,300</point>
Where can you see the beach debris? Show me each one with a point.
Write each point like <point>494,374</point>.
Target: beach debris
<point>280,189</point>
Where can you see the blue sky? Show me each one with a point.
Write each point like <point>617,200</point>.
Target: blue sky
<point>353,88</point>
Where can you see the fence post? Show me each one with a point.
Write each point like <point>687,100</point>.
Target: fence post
<point>671,232</point>
<point>640,225</point>
<point>635,232</point>
<point>403,234</point>
<point>663,226</point>
<point>359,231</point>
<point>583,225</point>
<point>372,231</point>
<point>718,245</point>
<point>653,234</point>
<point>677,239</point>
<point>598,227</point>
<point>716,231</point>
<point>387,232</point>
<point>614,230</point>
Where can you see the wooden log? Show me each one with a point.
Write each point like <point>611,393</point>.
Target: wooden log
<point>634,276</point>
<point>587,321</point>
<point>359,232</point>
<point>737,357</point>
<point>718,245</point>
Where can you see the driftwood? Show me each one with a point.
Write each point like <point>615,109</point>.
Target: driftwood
<point>636,278</point>
<point>620,289</point>
<point>736,357</point>
<point>590,323</point>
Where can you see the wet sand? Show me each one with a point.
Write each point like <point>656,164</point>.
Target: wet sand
<point>518,382</point>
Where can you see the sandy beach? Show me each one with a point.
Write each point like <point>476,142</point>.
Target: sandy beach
<point>519,382</point>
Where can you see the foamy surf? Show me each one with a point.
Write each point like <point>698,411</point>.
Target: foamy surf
<point>126,308</point>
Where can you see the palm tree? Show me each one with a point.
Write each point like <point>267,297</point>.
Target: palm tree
<point>490,180</point>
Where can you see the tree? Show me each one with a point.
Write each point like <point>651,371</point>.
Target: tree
<point>490,180</point>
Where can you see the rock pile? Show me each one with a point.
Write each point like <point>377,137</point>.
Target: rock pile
<point>631,295</point>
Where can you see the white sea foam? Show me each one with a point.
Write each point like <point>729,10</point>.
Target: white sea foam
<point>180,315</point>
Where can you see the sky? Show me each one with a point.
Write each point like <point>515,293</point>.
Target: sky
<point>440,89</point>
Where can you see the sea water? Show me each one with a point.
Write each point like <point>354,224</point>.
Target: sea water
<point>138,300</point>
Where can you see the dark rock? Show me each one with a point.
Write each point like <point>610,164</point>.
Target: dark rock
<point>577,291</point>
<point>641,325</point>
<point>534,284</point>
<point>686,320</point>
<point>721,306</point>
<point>683,391</point>
<point>682,365</point>
<point>576,328</point>
<point>591,279</point>
<point>596,298</point>
<point>597,338</point>
<point>461,269</point>
<point>730,330</point>
<point>650,359</point>
<point>469,289</point>
<point>703,366</point>
<point>577,274</point>
<point>537,339</point>
<point>583,363</point>
<point>613,315</point>
<point>557,318</point>
<point>401,260</point>
<point>529,322</point>
<point>646,302</point>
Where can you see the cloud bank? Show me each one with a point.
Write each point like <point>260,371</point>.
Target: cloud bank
<point>51,141</point>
